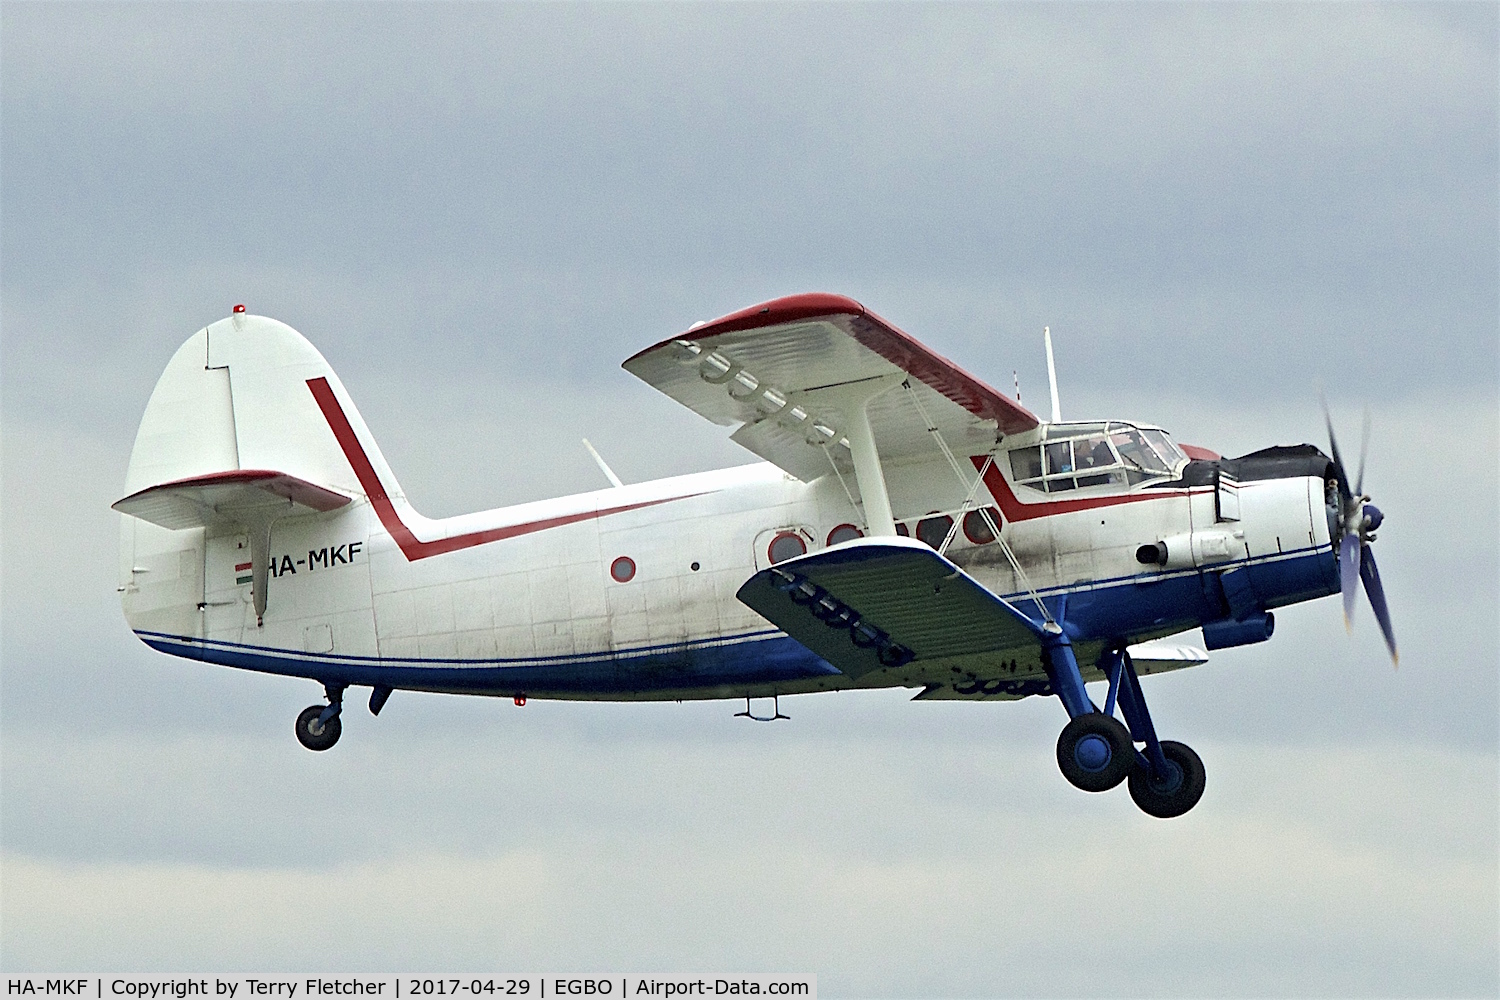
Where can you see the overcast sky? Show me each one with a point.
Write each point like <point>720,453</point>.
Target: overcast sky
<point>476,212</point>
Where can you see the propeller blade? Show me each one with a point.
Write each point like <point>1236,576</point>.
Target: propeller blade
<point>1338,461</point>
<point>1370,574</point>
<point>1364,448</point>
<point>1349,575</point>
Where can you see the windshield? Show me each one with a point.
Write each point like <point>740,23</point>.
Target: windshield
<point>1083,456</point>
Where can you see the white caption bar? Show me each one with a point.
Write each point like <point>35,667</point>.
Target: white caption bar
<point>477,986</point>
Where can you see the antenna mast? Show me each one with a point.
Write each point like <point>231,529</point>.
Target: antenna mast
<point>609,473</point>
<point>1052,375</point>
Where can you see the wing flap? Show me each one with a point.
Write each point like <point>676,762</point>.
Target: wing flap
<point>1149,658</point>
<point>225,499</point>
<point>873,604</point>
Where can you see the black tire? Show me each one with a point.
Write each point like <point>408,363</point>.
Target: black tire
<point>328,733</point>
<point>1179,793</point>
<point>1095,752</point>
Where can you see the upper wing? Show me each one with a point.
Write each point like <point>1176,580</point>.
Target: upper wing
<point>872,604</point>
<point>781,369</point>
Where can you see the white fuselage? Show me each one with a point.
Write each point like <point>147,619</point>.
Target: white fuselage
<point>355,596</point>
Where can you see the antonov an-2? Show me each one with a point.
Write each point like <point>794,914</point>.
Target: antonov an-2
<point>909,527</point>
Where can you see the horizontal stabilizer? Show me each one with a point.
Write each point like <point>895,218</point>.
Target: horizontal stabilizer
<point>872,604</point>
<point>227,499</point>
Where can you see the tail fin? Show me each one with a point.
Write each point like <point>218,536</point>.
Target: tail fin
<point>236,397</point>
<point>234,438</point>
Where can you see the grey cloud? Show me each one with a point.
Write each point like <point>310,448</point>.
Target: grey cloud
<point>1339,159</point>
<point>894,869</point>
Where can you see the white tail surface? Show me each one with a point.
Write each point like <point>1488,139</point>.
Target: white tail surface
<point>236,396</point>
<point>235,399</point>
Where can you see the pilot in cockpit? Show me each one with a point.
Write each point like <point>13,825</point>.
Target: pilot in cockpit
<point>1097,457</point>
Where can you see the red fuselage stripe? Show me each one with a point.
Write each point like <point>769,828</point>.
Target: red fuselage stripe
<point>411,546</point>
<point>1014,510</point>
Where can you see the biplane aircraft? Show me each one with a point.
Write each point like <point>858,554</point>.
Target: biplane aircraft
<point>909,526</point>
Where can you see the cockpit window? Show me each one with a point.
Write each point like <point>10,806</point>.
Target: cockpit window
<point>1164,447</point>
<point>1059,457</point>
<point>1026,463</point>
<point>1141,460</point>
<point>1092,452</point>
<point>1080,456</point>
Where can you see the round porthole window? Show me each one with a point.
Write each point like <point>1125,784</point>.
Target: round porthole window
<point>844,533</point>
<point>977,529</point>
<point>933,530</point>
<point>622,570</point>
<point>787,545</point>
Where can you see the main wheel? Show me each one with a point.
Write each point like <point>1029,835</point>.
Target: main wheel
<point>1176,792</point>
<point>1095,752</point>
<point>316,736</point>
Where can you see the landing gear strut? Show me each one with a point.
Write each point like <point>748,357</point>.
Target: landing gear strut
<point>1096,752</point>
<point>318,727</point>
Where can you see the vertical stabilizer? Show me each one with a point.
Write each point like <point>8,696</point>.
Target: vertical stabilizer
<point>233,442</point>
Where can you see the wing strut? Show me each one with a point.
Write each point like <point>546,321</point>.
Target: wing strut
<point>867,472</point>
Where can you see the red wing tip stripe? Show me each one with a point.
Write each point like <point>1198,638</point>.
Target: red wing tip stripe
<point>411,546</point>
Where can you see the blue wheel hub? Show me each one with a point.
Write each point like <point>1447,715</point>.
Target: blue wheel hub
<point>1168,783</point>
<point>1092,753</point>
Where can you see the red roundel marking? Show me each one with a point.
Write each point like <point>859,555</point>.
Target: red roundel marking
<point>844,533</point>
<point>622,570</point>
<point>787,545</point>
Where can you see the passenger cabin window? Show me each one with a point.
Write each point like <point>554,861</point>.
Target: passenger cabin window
<point>1085,456</point>
<point>844,533</point>
<point>934,529</point>
<point>786,545</point>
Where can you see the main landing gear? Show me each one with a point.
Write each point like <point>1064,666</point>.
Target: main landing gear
<point>318,727</point>
<point>1096,752</point>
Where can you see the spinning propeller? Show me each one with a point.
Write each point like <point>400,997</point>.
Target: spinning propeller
<point>1358,518</point>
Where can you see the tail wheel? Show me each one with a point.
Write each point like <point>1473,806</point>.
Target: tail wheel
<point>1095,752</point>
<point>1174,793</point>
<point>315,735</point>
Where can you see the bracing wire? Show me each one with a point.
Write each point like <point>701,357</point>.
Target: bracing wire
<point>858,510</point>
<point>972,488</point>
